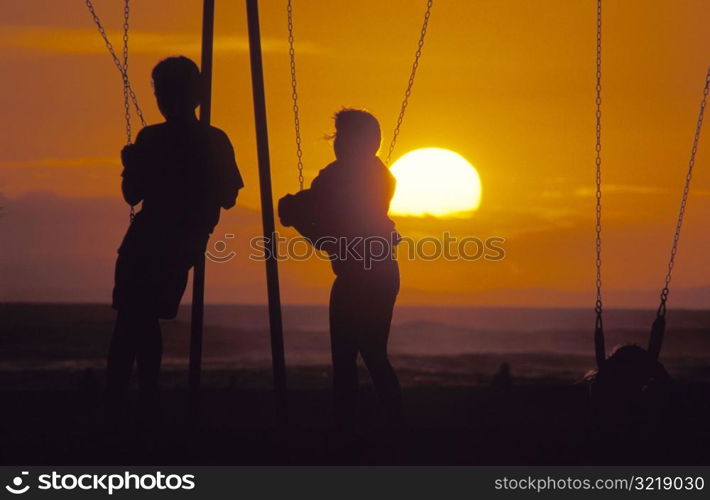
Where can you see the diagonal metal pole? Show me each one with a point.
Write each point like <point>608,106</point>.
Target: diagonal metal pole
<point>198,276</point>
<point>267,211</point>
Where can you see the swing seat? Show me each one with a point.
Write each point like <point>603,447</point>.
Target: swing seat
<point>630,382</point>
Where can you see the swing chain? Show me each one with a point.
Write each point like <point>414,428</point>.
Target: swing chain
<point>121,66</point>
<point>598,162</point>
<point>294,93</point>
<point>684,198</point>
<point>128,93</point>
<point>124,74</point>
<point>294,87</point>
<point>410,83</point>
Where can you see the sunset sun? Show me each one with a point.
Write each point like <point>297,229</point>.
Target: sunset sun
<point>435,181</point>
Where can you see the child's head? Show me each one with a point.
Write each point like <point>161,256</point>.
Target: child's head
<point>357,134</point>
<point>176,82</point>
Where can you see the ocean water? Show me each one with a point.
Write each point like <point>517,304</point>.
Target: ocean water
<point>437,345</point>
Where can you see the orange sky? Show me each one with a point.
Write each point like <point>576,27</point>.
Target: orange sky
<point>507,84</point>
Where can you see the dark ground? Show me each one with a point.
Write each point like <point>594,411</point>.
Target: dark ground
<point>51,378</point>
<point>538,423</point>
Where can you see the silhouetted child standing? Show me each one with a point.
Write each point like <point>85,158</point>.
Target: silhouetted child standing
<point>345,213</point>
<point>183,172</point>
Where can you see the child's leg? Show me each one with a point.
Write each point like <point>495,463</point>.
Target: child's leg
<point>121,355</point>
<point>373,348</point>
<point>149,353</point>
<point>377,297</point>
<point>344,355</point>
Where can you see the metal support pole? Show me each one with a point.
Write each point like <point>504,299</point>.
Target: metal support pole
<point>267,211</point>
<point>198,276</point>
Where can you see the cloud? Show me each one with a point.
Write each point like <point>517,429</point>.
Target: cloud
<point>64,249</point>
<point>588,192</point>
<point>88,42</point>
<point>61,162</point>
<point>73,177</point>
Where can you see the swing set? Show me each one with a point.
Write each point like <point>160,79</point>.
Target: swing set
<point>276,328</point>
<point>633,358</point>
<point>272,279</point>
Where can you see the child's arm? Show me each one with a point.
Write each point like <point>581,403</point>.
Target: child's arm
<point>133,183</point>
<point>303,211</point>
<point>230,180</point>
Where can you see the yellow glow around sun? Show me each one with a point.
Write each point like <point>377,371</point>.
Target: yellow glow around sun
<point>435,181</point>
